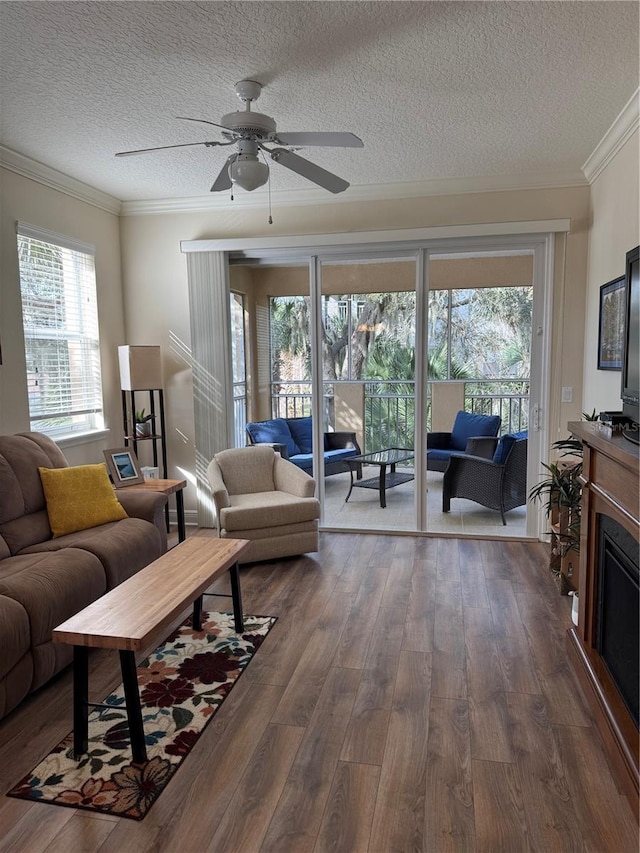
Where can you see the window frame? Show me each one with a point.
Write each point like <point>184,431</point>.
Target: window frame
<point>80,328</point>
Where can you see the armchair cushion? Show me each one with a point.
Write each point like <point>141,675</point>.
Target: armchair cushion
<point>275,431</point>
<point>505,444</point>
<point>468,426</point>
<point>267,509</point>
<point>246,470</point>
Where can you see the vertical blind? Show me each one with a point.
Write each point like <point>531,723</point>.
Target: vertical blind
<point>60,320</point>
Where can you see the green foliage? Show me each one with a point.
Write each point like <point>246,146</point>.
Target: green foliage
<point>489,329</point>
<point>590,417</point>
<point>141,418</point>
<point>561,491</point>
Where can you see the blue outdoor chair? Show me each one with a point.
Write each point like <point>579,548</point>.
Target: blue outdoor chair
<point>468,435</point>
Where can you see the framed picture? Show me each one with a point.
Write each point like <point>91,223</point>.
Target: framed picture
<point>611,327</point>
<point>123,467</point>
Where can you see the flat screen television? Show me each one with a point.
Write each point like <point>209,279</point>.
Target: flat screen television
<point>630,391</point>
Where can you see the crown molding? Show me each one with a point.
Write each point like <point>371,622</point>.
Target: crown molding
<point>33,169</point>
<point>625,124</point>
<point>36,171</point>
<point>368,193</point>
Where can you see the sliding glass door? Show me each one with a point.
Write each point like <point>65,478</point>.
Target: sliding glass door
<point>479,340</point>
<point>396,347</point>
<point>367,337</point>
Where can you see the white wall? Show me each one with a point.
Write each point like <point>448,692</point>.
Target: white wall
<point>615,228</point>
<point>156,291</point>
<point>142,254</point>
<point>27,201</point>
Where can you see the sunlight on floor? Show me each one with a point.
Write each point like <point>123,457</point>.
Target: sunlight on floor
<point>364,512</point>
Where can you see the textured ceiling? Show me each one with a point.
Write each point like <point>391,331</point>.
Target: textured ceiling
<point>435,90</point>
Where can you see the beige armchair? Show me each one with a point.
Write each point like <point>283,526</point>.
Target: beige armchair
<point>266,499</point>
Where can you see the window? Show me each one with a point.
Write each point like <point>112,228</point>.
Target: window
<point>60,320</point>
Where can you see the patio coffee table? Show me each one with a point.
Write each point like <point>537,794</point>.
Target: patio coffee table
<point>388,458</point>
<point>139,612</point>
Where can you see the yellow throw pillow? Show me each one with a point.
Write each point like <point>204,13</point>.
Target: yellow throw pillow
<point>79,497</point>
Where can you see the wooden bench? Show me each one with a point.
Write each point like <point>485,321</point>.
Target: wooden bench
<point>141,612</point>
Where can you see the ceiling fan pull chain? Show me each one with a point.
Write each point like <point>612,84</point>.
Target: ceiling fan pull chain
<point>270,220</point>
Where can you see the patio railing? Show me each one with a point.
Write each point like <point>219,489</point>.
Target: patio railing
<point>508,398</point>
<point>389,414</point>
<point>389,406</point>
<point>239,413</point>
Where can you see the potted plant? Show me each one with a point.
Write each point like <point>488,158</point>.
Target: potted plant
<point>561,493</point>
<point>144,424</point>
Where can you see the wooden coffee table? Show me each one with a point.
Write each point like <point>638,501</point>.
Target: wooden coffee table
<point>141,611</point>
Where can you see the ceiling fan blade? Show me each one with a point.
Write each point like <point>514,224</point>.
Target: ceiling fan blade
<point>203,121</point>
<point>164,147</point>
<point>223,181</point>
<point>333,140</point>
<point>319,176</point>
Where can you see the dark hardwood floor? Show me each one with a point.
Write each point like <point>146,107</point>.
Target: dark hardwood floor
<point>414,695</point>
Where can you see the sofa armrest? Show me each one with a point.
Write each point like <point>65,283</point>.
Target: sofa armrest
<point>438,440</point>
<point>149,506</point>
<point>341,441</point>
<point>146,505</point>
<point>289,478</point>
<point>483,446</point>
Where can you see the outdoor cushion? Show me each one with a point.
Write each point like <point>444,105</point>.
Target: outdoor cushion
<point>505,444</point>
<point>302,433</point>
<point>275,431</point>
<point>305,460</point>
<point>468,426</point>
<point>442,455</point>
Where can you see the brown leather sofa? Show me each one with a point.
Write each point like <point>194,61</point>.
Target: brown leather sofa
<point>44,580</point>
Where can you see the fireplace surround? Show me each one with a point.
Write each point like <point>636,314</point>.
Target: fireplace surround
<point>604,645</point>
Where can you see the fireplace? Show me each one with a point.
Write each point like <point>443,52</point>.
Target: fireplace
<point>617,607</point>
<point>604,643</point>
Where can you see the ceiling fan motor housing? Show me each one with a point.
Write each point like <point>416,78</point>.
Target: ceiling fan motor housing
<point>250,123</point>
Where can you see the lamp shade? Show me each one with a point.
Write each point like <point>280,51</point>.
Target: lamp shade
<point>140,368</point>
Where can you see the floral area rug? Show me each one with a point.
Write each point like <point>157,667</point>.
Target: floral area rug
<point>182,685</point>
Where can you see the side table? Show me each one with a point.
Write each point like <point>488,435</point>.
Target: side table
<point>168,487</point>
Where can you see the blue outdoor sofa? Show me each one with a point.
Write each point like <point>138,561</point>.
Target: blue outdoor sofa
<point>293,438</point>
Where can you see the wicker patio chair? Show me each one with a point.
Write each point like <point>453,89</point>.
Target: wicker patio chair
<point>499,483</point>
<point>466,427</point>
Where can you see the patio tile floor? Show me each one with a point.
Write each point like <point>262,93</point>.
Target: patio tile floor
<point>363,511</point>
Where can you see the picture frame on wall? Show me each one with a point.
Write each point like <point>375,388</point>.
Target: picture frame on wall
<point>123,467</point>
<point>611,325</point>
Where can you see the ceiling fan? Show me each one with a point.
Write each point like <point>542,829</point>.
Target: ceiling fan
<point>253,133</point>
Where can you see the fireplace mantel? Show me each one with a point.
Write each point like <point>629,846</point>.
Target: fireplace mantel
<point>610,481</point>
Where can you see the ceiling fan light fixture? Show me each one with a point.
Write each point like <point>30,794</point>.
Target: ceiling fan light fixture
<point>248,172</point>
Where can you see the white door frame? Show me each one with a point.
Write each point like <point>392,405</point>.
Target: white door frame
<point>421,244</point>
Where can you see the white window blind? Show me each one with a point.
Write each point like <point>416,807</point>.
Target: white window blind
<point>60,320</point>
